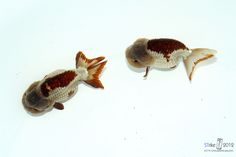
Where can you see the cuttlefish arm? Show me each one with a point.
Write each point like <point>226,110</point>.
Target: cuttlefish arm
<point>147,70</point>
<point>58,106</point>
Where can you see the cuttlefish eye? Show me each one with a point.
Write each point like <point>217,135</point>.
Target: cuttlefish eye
<point>135,61</point>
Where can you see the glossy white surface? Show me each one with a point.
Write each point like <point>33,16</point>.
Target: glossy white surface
<point>165,115</point>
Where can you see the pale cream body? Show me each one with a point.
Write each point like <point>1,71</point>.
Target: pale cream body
<point>160,61</point>
<point>174,59</point>
<point>62,94</point>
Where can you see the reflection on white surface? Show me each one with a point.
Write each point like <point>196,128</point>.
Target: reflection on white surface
<point>164,115</point>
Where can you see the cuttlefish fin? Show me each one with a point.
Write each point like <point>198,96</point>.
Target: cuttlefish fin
<point>198,55</point>
<point>94,67</point>
<point>147,71</point>
<point>58,106</point>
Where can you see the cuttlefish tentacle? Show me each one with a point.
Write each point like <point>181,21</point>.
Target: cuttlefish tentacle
<point>147,71</point>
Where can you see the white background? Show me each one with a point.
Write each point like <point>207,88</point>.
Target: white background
<point>165,115</point>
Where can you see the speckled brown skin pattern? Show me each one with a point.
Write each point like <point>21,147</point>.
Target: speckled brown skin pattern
<point>165,54</point>
<point>165,46</point>
<point>137,55</point>
<point>60,80</point>
<point>61,85</point>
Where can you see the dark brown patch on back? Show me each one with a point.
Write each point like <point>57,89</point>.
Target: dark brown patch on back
<point>60,80</point>
<point>165,46</point>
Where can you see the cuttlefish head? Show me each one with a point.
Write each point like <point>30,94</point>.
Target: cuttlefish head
<point>34,102</point>
<point>137,55</point>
